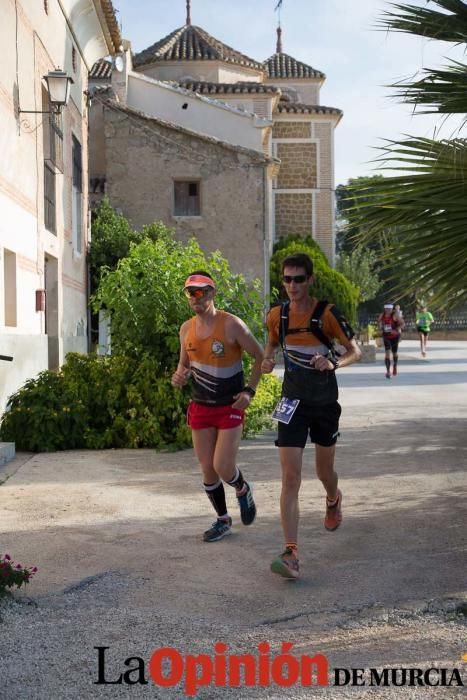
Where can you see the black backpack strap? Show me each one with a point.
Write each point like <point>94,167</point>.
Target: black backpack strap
<point>316,324</point>
<point>283,322</point>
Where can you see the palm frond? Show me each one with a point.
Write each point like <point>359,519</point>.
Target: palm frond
<point>424,209</point>
<point>446,26</point>
<point>444,90</point>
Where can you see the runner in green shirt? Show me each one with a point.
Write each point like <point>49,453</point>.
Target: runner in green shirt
<point>424,319</point>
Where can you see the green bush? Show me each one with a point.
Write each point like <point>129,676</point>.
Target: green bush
<point>329,284</point>
<point>98,402</point>
<point>126,400</point>
<point>258,415</point>
<point>146,303</point>
<point>46,414</point>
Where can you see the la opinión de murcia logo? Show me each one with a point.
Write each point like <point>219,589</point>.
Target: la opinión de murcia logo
<point>168,667</point>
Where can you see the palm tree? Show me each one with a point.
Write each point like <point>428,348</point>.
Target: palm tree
<point>424,207</point>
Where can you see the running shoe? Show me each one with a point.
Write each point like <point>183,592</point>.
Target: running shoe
<point>394,371</point>
<point>247,506</point>
<point>388,376</point>
<point>333,517</point>
<point>218,530</point>
<point>286,565</point>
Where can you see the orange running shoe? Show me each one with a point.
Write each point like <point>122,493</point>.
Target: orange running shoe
<point>394,371</point>
<point>333,517</point>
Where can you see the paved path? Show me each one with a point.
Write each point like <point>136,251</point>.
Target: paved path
<point>116,536</point>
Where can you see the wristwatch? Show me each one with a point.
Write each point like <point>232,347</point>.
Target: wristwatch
<point>335,362</point>
<point>249,390</point>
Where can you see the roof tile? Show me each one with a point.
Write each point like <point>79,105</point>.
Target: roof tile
<point>207,88</point>
<point>281,65</point>
<point>191,43</point>
<point>102,69</point>
<point>298,108</point>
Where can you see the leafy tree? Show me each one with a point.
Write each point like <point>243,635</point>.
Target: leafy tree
<point>425,206</point>
<point>329,284</point>
<point>111,239</point>
<point>143,296</point>
<point>347,228</point>
<point>359,268</point>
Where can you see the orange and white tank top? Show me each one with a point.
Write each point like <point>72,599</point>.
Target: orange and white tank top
<point>215,363</point>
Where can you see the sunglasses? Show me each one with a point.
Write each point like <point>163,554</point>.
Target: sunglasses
<point>196,293</point>
<point>298,279</point>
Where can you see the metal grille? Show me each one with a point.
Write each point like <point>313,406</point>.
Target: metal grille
<point>55,154</point>
<point>49,199</point>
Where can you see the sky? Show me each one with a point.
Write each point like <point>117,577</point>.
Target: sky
<point>337,37</point>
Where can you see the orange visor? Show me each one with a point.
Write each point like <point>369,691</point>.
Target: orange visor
<point>199,281</point>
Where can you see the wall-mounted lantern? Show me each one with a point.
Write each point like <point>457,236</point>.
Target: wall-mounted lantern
<point>58,86</point>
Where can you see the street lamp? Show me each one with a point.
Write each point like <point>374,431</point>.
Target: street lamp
<point>58,86</point>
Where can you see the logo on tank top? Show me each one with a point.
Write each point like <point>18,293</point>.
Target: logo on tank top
<point>217,348</point>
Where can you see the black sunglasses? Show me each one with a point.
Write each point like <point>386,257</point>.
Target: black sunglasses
<point>298,279</point>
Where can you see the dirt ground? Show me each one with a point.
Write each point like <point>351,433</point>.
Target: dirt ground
<point>116,535</point>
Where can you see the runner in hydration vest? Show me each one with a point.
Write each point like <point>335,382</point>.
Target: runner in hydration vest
<point>309,403</point>
<point>391,325</point>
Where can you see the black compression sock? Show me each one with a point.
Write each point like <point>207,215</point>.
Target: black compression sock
<point>237,482</point>
<point>216,494</point>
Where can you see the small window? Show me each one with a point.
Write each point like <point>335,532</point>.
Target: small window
<point>73,58</point>
<point>186,198</point>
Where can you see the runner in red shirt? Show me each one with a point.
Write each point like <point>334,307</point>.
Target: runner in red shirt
<point>391,325</point>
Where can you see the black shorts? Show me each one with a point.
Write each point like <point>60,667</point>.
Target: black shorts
<point>423,330</point>
<point>391,344</point>
<point>321,422</point>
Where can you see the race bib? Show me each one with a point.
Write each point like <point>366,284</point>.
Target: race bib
<point>387,328</point>
<point>285,410</point>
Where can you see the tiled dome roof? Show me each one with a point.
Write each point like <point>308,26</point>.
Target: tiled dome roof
<point>191,43</point>
<point>281,65</point>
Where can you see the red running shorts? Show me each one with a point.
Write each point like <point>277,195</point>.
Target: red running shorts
<point>200,417</point>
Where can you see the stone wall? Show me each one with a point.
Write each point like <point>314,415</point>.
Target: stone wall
<point>294,214</point>
<point>298,165</point>
<point>291,130</point>
<point>144,158</point>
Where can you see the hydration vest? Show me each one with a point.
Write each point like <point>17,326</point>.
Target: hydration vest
<point>311,386</point>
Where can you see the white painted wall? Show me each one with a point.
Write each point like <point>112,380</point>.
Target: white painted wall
<point>307,91</point>
<point>206,71</point>
<point>202,115</point>
<point>34,42</point>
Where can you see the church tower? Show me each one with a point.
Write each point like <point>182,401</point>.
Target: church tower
<point>303,140</point>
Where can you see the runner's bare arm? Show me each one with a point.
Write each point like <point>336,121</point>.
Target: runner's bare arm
<point>245,338</point>
<point>182,373</point>
<point>352,354</point>
<point>269,361</point>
